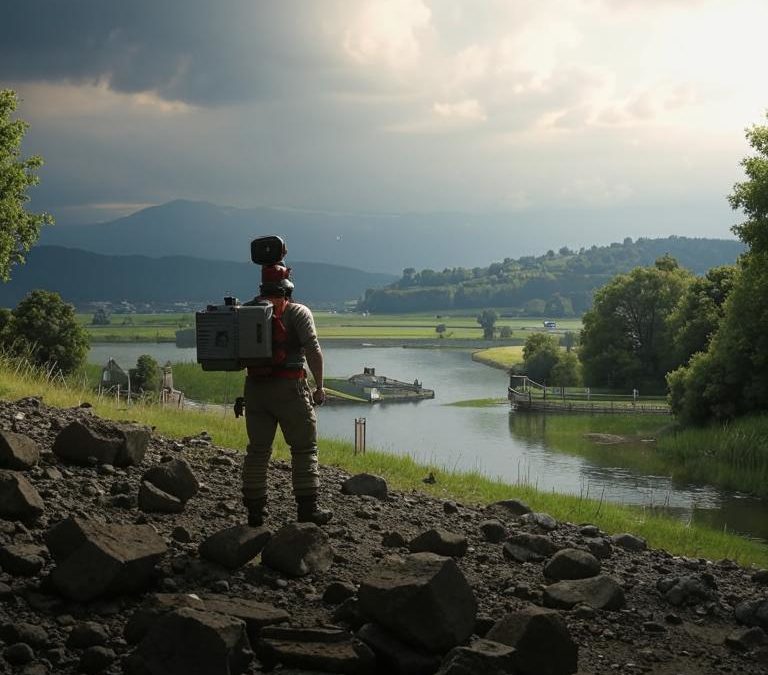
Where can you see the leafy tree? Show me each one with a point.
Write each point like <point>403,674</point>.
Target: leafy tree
<point>568,340</point>
<point>626,340</point>
<point>487,319</point>
<point>44,327</point>
<point>440,329</point>
<point>731,378</point>
<point>540,355</point>
<point>505,332</point>
<point>19,229</point>
<point>146,375</point>
<point>100,317</point>
<point>698,315</point>
<point>567,371</point>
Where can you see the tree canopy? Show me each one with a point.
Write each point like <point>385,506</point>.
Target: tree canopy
<point>487,319</point>
<point>19,229</point>
<point>730,378</point>
<point>626,341</point>
<point>44,328</point>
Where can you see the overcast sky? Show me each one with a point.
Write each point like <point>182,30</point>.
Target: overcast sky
<point>629,113</point>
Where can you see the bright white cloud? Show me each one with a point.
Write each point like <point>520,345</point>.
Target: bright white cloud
<point>387,32</point>
<point>469,109</point>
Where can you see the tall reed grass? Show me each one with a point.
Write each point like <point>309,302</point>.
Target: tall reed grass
<point>732,455</point>
<point>18,378</point>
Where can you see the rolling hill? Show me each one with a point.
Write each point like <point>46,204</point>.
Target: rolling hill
<point>81,277</point>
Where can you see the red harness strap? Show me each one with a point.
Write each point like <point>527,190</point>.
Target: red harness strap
<point>279,348</point>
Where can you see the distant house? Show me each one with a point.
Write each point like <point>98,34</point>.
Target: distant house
<point>550,325</point>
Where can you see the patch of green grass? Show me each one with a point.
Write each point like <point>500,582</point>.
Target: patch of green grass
<point>402,472</point>
<point>499,357</point>
<point>479,403</point>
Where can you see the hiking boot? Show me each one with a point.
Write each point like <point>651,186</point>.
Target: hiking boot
<point>257,511</point>
<point>310,512</point>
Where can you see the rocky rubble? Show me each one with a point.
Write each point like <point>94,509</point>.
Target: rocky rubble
<point>125,552</point>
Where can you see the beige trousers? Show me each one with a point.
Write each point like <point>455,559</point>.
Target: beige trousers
<point>273,401</point>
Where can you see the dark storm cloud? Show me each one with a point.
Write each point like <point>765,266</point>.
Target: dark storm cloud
<point>196,51</point>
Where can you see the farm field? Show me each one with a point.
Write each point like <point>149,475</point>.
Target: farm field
<point>163,327</point>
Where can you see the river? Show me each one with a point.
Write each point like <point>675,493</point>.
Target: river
<point>517,447</point>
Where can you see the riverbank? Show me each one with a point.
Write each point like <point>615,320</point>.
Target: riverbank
<point>406,474</point>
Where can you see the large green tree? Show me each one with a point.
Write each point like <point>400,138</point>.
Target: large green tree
<point>19,229</point>
<point>44,328</point>
<point>487,319</point>
<point>731,377</point>
<point>540,355</point>
<point>698,315</point>
<point>626,341</point>
<point>146,375</point>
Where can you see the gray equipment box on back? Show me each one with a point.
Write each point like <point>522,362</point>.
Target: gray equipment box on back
<point>232,336</point>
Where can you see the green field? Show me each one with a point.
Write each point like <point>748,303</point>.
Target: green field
<point>330,325</point>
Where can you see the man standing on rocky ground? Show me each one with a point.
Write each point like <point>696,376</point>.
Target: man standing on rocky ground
<point>279,394</point>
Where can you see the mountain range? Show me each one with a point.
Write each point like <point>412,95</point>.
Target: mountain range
<point>82,276</point>
<point>374,242</point>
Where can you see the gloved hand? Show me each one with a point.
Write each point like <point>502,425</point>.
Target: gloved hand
<point>239,406</point>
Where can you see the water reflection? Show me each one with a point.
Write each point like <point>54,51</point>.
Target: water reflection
<point>631,472</point>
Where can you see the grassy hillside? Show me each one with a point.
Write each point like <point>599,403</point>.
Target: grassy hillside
<point>554,284</point>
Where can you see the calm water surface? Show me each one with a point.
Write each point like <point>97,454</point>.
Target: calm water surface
<point>494,440</point>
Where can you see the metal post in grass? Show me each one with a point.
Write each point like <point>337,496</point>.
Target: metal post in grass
<point>360,435</point>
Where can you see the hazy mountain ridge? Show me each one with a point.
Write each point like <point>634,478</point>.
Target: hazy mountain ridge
<point>82,276</point>
<point>377,242</point>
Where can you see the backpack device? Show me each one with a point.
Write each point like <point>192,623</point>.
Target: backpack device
<point>234,336</point>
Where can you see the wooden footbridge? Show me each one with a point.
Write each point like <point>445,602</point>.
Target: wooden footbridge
<point>526,395</point>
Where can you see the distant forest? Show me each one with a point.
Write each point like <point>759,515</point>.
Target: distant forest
<point>556,284</point>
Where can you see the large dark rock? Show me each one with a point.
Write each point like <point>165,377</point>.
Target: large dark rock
<point>365,484</point>
<point>174,477</point>
<point>235,546</point>
<point>18,499</point>
<point>440,542</point>
<point>186,641</point>
<point>152,499</point>
<point>107,443</point>
<point>318,649</point>
<point>630,542</point>
<point>599,592</point>
<point>18,452</point>
<point>256,615</point>
<point>525,547</point>
<point>422,598</point>
<point>155,606</point>
<point>394,655</point>
<point>298,549</point>
<point>541,521</point>
<point>543,645</point>
<point>687,590</point>
<point>482,657</point>
<point>24,560</point>
<point>94,559</point>
<point>572,563</point>
<point>753,613</point>
<point>510,508</point>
